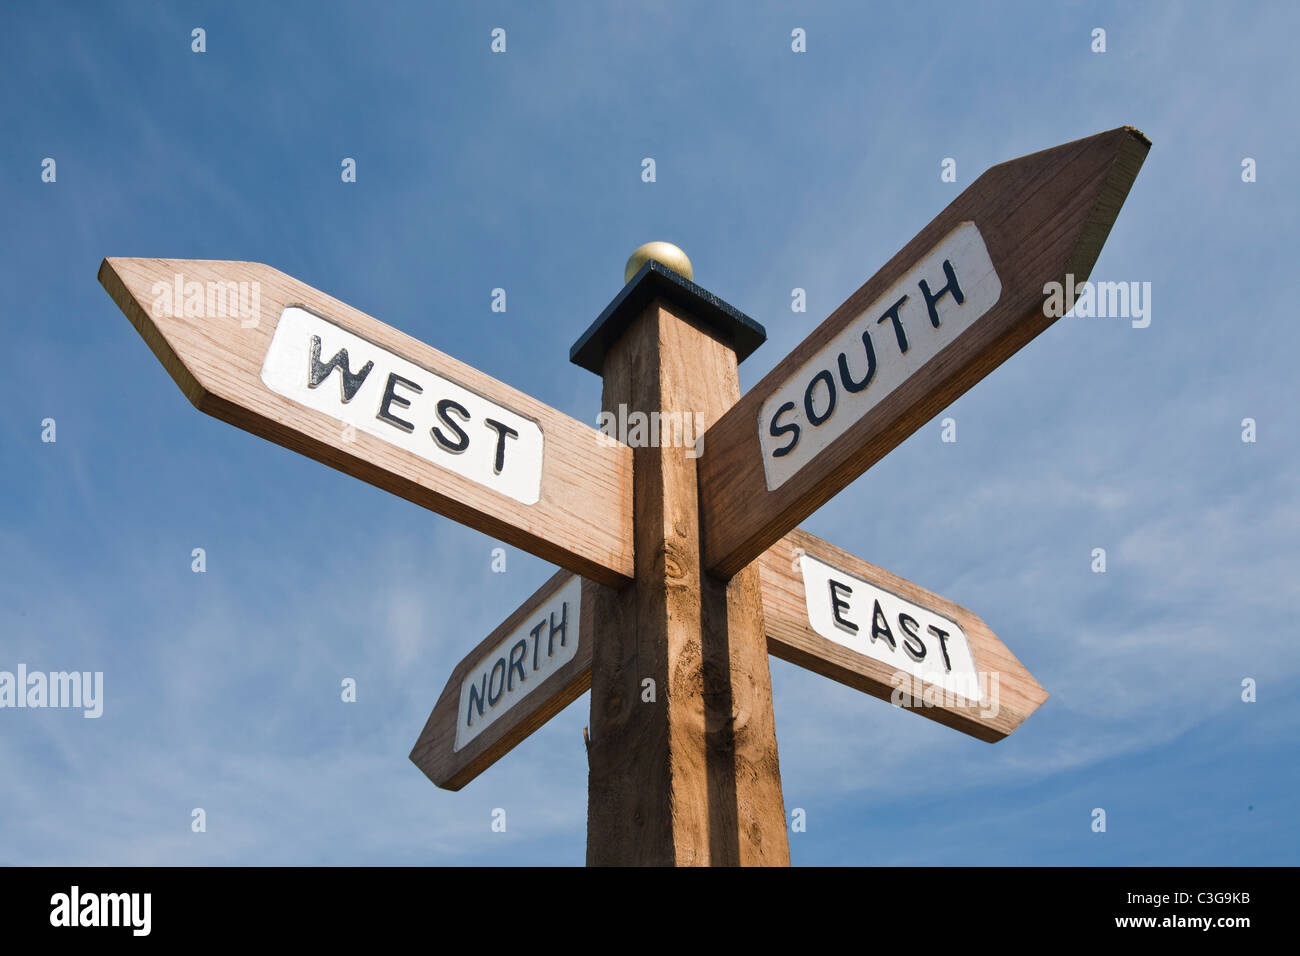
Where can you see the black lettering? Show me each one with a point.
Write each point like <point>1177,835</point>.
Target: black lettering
<point>777,432</point>
<point>517,662</point>
<point>880,628</point>
<point>503,432</point>
<point>951,287</point>
<point>462,440</point>
<point>910,626</point>
<point>813,417</point>
<point>892,315</point>
<point>837,605</point>
<point>475,693</point>
<point>348,382</point>
<point>846,379</point>
<point>562,630</point>
<point>537,636</point>
<point>943,645</point>
<point>493,698</point>
<point>392,398</point>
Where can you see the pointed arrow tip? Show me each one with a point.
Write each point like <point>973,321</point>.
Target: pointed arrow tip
<point>1138,134</point>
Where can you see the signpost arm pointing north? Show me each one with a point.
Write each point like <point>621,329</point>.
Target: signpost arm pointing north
<point>965,294</point>
<point>531,667</point>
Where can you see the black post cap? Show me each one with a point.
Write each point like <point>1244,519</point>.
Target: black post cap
<point>653,281</point>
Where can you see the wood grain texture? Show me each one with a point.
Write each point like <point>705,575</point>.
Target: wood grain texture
<point>788,636</point>
<point>434,751</point>
<point>1042,216</point>
<point>583,520</point>
<point>1013,697</point>
<point>691,778</point>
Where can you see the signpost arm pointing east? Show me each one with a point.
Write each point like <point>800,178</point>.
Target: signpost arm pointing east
<point>1008,693</point>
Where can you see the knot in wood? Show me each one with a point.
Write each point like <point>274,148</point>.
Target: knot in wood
<point>676,563</point>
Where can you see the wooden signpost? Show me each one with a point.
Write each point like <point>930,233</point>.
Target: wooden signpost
<point>683,572</point>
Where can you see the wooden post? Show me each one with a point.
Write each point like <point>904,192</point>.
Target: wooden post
<point>669,627</point>
<point>684,770</point>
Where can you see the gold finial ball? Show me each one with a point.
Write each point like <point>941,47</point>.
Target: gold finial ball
<point>664,253</point>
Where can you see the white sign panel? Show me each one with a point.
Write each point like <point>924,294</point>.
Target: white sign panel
<point>921,314</point>
<point>532,652</point>
<point>881,625</point>
<point>327,368</point>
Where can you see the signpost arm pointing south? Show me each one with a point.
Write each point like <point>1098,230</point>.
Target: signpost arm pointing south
<point>960,298</point>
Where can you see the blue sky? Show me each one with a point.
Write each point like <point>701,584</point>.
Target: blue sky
<point>522,170</point>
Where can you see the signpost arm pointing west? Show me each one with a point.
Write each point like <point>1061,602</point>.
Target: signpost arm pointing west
<point>408,418</point>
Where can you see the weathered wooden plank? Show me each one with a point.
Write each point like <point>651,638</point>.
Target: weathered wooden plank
<point>416,422</point>
<point>499,694</point>
<point>958,300</point>
<point>813,625</point>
